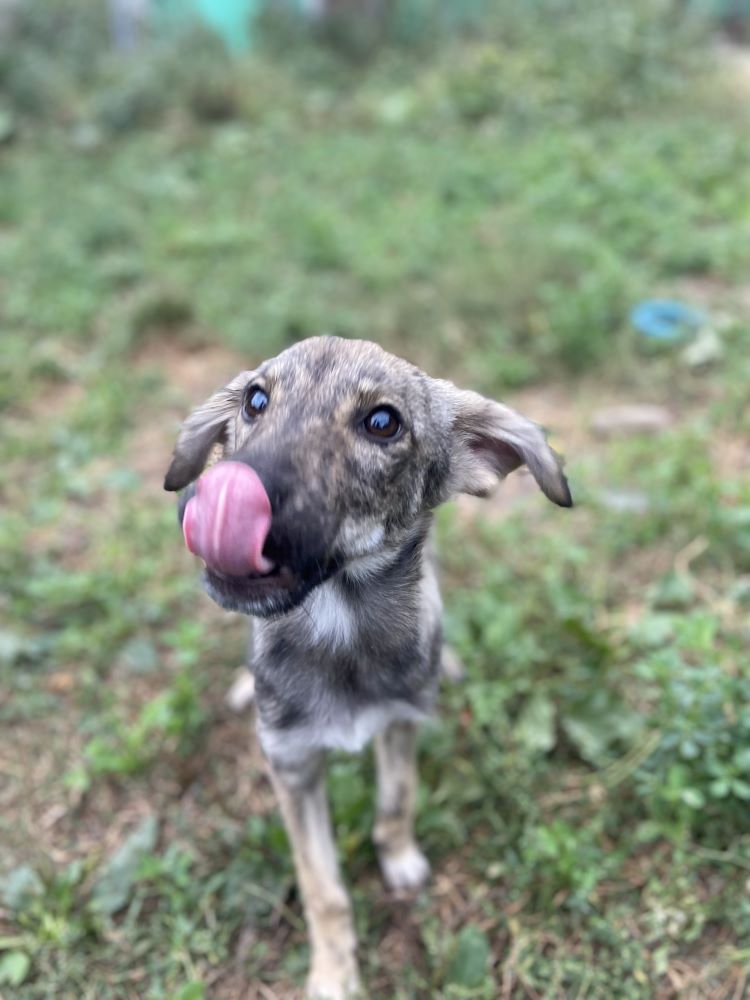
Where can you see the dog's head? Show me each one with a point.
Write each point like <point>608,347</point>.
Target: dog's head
<point>332,452</point>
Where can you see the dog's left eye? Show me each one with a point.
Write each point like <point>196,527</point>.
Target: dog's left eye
<point>383,423</point>
<point>254,403</point>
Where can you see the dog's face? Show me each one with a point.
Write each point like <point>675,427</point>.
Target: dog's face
<point>332,453</point>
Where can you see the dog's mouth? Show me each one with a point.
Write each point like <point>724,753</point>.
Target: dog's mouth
<point>263,595</point>
<point>279,578</point>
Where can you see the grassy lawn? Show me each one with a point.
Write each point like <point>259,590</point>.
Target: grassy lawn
<point>491,204</point>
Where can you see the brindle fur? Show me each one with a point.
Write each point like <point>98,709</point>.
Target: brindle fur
<point>348,645</point>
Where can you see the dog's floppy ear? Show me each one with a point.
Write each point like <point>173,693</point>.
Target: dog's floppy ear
<point>489,440</point>
<point>204,428</point>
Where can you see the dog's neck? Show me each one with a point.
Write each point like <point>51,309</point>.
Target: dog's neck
<point>373,600</point>
<point>376,594</point>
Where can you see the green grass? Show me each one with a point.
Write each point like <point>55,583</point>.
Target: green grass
<point>490,204</point>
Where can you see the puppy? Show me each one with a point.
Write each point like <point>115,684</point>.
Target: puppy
<point>316,522</point>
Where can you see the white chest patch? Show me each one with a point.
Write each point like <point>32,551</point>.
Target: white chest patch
<point>328,617</point>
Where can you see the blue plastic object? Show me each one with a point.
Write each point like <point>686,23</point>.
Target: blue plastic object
<point>666,320</point>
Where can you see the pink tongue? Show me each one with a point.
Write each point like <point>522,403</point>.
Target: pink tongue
<point>227,521</point>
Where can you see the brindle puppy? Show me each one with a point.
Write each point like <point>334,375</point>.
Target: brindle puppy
<point>317,523</point>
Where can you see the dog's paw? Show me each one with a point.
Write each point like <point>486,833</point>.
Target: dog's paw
<point>241,694</point>
<point>409,869</point>
<point>332,984</point>
<point>451,667</point>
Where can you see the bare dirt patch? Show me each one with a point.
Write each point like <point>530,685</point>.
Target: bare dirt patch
<point>195,371</point>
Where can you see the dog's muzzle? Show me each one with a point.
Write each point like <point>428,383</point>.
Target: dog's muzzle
<point>262,554</point>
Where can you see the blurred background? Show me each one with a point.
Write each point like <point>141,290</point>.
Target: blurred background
<point>545,200</point>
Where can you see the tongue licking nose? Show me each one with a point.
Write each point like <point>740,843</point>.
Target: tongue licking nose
<point>227,521</point>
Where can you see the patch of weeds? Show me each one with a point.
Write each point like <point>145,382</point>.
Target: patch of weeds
<point>172,723</point>
<point>560,860</point>
<point>593,63</point>
<point>177,907</point>
<point>467,969</point>
<point>47,914</point>
<point>540,667</point>
<point>161,313</point>
<point>694,784</point>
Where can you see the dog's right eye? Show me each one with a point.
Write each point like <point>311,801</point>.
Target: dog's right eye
<point>254,403</point>
<point>383,423</point>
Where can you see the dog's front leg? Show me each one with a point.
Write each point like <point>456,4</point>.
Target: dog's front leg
<point>403,864</point>
<point>304,807</point>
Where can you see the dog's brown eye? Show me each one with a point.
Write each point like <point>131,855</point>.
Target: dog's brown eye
<point>256,400</point>
<point>383,423</point>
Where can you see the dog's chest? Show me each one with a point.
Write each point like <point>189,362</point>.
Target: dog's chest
<point>337,673</point>
<point>331,621</point>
